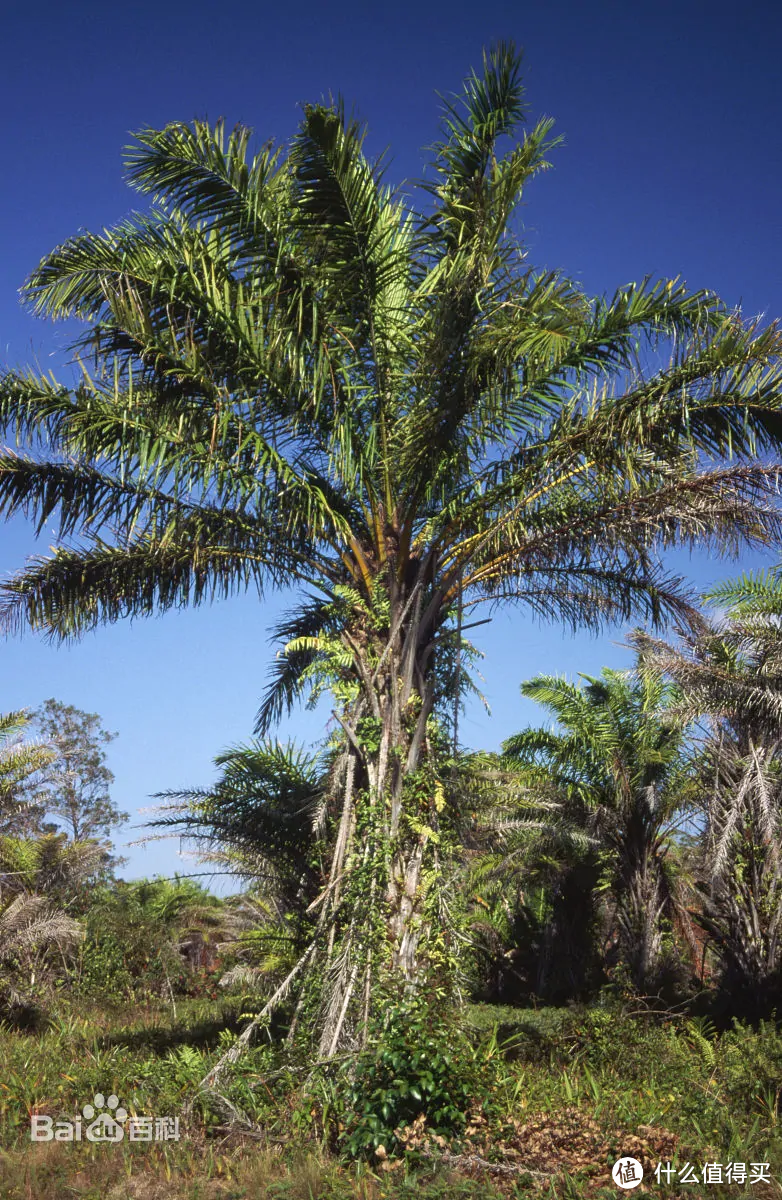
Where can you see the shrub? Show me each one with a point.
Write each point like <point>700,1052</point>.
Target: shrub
<point>420,1063</point>
<point>128,952</point>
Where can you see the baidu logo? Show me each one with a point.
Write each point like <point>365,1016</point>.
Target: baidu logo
<point>104,1121</point>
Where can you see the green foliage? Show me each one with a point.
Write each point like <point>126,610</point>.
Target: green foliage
<point>51,865</point>
<point>105,972</point>
<point>134,936</point>
<point>420,1062</point>
<point>258,817</point>
<point>602,1072</point>
<point>260,822</point>
<point>369,731</point>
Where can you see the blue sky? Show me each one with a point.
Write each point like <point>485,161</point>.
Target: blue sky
<point>672,165</point>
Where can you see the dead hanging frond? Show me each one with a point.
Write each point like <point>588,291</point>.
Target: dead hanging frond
<point>30,922</point>
<point>31,926</point>
<point>242,1042</point>
<point>241,973</point>
<point>746,802</point>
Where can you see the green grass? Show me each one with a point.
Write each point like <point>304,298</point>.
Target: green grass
<point>571,1090</point>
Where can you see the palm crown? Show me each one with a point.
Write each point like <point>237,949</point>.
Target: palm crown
<point>298,378</point>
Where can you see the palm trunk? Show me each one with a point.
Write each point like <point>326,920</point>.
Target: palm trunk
<point>743,917</point>
<point>641,903</point>
<point>373,920</point>
<point>641,916</point>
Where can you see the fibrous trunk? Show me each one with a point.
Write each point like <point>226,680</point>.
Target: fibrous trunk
<point>374,919</point>
<point>641,912</point>
<point>372,931</point>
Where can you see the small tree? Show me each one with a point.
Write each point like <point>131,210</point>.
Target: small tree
<point>77,780</point>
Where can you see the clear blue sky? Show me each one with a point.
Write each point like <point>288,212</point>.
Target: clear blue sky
<point>672,114</point>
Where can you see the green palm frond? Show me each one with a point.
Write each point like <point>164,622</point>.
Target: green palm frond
<point>49,865</point>
<point>263,806</point>
<point>208,177</point>
<point>754,593</point>
<point>289,371</point>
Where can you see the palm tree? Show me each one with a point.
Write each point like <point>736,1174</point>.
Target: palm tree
<point>261,821</point>
<point>257,821</point>
<point>520,847</point>
<point>290,376</point>
<point>21,761</point>
<point>620,766</point>
<point>729,674</point>
<point>52,866</point>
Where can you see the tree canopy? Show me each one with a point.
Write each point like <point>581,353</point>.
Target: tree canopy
<point>77,782</point>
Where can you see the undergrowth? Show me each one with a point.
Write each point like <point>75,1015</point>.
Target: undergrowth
<point>554,1095</point>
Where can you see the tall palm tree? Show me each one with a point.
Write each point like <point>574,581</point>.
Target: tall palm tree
<point>292,377</point>
<point>619,764</point>
<point>729,675</point>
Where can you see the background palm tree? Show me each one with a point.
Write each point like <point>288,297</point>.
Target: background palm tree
<point>729,675</point>
<point>298,379</point>
<point>52,866</point>
<point>262,821</point>
<point>21,762</point>
<point>619,765</point>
